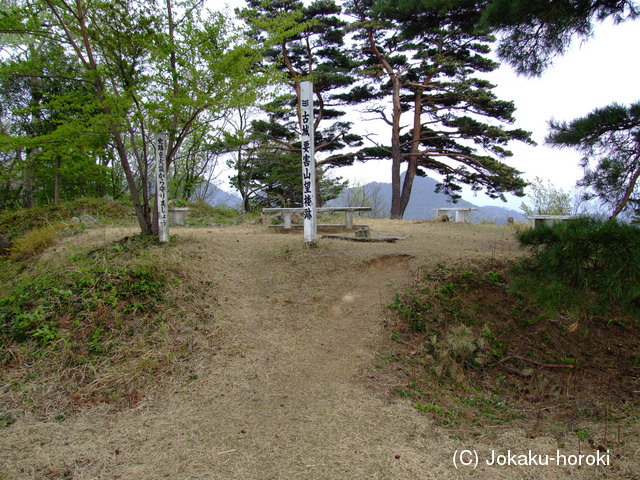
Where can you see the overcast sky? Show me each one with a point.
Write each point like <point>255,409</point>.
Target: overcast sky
<point>593,73</point>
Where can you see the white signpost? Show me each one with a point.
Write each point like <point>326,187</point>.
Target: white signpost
<point>308,163</point>
<point>161,186</point>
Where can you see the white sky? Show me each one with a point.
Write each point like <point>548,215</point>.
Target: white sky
<point>593,73</point>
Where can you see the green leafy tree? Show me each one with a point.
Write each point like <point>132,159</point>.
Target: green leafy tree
<point>609,139</point>
<point>150,70</point>
<point>426,60</point>
<point>47,128</point>
<point>547,199</point>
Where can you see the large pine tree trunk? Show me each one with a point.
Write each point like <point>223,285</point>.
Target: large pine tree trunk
<point>396,153</point>
<point>412,167</point>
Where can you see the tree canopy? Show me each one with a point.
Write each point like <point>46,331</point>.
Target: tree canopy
<point>429,61</point>
<point>609,139</point>
<point>86,85</point>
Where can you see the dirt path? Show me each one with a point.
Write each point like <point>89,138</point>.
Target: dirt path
<point>290,392</point>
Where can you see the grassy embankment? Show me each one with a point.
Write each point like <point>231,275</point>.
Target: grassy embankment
<point>83,324</point>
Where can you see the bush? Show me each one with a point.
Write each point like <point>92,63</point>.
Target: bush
<point>201,213</point>
<point>36,241</point>
<point>589,255</point>
<point>103,289</point>
<point>14,223</point>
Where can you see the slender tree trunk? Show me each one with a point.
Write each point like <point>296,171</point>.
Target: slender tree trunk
<point>27,182</point>
<point>413,158</point>
<point>396,152</point>
<point>396,148</point>
<point>142,211</point>
<point>628,191</point>
<point>57,180</point>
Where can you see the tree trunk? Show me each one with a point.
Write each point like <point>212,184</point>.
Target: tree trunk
<point>27,182</point>
<point>413,158</point>
<point>57,180</point>
<point>628,192</point>
<point>396,148</point>
<point>396,153</point>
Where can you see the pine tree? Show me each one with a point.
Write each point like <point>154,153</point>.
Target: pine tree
<point>316,53</point>
<point>426,61</point>
<point>535,31</point>
<point>609,139</point>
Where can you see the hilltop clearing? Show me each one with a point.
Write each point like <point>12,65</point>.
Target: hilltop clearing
<point>264,359</point>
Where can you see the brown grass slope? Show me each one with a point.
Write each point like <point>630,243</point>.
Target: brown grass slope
<point>281,380</point>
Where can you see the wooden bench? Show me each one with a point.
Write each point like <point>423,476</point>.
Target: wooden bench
<point>550,219</point>
<point>287,214</point>
<point>463,214</point>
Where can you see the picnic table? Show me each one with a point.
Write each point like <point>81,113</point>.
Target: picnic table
<point>550,219</point>
<point>287,214</point>
<point>463,214</point>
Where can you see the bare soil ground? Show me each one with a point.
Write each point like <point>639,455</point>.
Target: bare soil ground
<point>283,383</point>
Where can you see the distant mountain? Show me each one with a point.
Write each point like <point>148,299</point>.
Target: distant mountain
<point>424,201</point>
<point>216,197</point>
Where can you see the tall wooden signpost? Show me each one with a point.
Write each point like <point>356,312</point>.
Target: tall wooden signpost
<point>308,163</point>
<point>161,186</point>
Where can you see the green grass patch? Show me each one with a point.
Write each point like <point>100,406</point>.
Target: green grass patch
<point>201,214</point>
<point>90,291</point>
<point>88,328</point>
<point>470,350</point>
<point>16,223</point>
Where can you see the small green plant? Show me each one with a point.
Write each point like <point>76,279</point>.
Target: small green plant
<point>177,202</point>
<point>582,434</point>
<point>411,310</point>
<point>428,408</point>
<point>95,340</point>
<point>494,277</point>
<point>448,289</point>
<point>6,419</point>
<point>497,348</point>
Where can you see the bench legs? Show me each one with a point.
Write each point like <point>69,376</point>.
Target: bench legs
<point>348,219</point>
<point>287,220</point>
<point>286,217</point>
<point>463,216</point>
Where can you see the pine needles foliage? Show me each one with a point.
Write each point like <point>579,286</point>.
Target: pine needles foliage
<point>595,257</point>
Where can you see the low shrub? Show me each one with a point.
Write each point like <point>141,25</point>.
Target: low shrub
<point>14,223</point>
<point>35,241</point>
<point>598,258</point>
<point>201,213</point>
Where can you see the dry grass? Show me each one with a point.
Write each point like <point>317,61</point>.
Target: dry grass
<point>276,380</point>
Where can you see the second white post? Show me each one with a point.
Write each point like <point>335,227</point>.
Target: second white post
<point>308,163</point>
